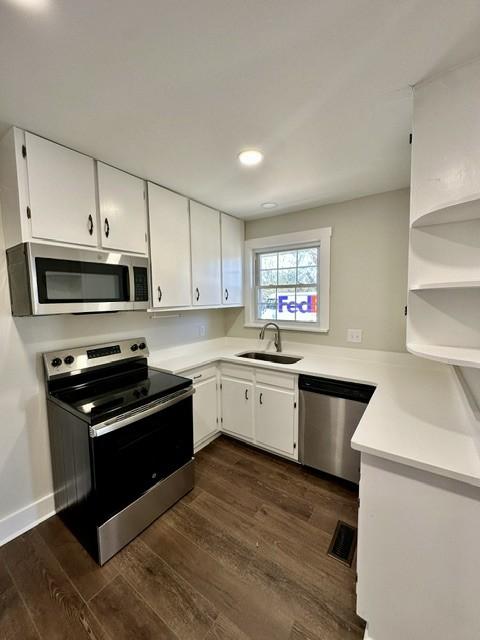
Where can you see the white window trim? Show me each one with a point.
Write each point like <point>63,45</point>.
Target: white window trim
<point>281,241</point>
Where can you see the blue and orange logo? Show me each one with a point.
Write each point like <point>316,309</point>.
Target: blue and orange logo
<point>305,306</point>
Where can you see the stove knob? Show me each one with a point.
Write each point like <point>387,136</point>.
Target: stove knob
<point>136,393</point>
<point>134,347</point>
<point>69,360</point>
<point>142,345</point>
<point>144,391</point>
<point>56,362</point>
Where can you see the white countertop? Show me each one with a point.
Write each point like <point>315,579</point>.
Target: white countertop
<point>418,415</point>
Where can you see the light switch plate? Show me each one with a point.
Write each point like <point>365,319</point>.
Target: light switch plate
<point>354,335</point>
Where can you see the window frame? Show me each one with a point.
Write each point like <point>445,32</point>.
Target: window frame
<point>283,242</point>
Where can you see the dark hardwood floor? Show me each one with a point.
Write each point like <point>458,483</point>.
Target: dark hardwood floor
<point>243,556</point>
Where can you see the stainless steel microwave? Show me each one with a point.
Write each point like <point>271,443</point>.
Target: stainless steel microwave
<point>47,279</point>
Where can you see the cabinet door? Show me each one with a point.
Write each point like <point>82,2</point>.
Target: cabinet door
<point>61,184</point>
<point>206,271</point>
<point>169,248</point>
<point>204,410</point>
<point>275,416</point>
<point>237,407</point>
<point>232,259</point>
<point>123,213</point>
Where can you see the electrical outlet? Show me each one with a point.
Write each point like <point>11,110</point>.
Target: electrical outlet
<point>201,330</point>
<point>354,335</point>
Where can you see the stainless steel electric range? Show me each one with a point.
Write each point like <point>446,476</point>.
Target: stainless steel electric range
<point>121,436</point>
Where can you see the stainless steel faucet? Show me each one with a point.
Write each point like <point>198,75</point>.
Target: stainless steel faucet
<point>277,340</point>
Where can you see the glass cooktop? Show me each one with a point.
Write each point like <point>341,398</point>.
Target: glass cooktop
<point>111,395</point>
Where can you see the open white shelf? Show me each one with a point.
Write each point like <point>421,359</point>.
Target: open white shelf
<point>460,356</point>
<point>430,286</point>
<point>466,209</point>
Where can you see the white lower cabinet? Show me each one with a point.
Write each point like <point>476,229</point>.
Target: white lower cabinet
<point>237,407</point>
<point>417,558</point>
<point>260,406</point>
<point>205,405</point>
<point>275,412</point>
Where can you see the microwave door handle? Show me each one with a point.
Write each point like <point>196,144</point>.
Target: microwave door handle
<point>138,414</point>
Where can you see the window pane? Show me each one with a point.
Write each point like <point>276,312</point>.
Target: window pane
<point>307,275</point>
<point>268,261</point>
<point>267,304</point>
<point>306,303</point>
<point>287,259</point>
<point>286,304</point>
<point>268,277</point>
<point>287,276</point>
<point>307,257</point>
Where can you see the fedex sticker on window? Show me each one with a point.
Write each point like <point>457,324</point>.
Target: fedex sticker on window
<point>308,305</point>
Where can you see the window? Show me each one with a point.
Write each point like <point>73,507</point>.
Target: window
<point>289,278</point>
<point>286,285</point>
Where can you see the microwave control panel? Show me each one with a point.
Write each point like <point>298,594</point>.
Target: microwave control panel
<point>140,277</point>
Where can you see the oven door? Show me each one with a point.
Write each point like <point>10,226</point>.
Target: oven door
<point>134,452</point>
<point>78,281</point>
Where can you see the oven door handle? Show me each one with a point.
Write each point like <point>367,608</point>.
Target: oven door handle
<point>138,414</point>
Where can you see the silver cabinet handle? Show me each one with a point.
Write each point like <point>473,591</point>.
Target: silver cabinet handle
<point>197,292</point>
<point>159,289</point>
<point>261,398</point>
<point>197,377</point>
<point>246,394</point>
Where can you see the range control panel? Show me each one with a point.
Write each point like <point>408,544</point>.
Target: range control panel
<point>103,351</point>
<point>71,361</point>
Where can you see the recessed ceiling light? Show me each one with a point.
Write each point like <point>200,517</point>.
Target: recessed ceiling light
<point>34,5</point>
<point>269,205</point>
<point>250,157</point>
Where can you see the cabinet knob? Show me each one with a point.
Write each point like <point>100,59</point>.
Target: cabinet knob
<point>246,394</point>
<point>90,224</point>
<point>197,294</point>
<point>107,227</point>
<point>261,398</point>
<point>159,289</point>
<point>226,294</point>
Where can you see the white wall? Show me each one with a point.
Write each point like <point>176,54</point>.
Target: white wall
<point>369,253</point>
<point>25,475</point>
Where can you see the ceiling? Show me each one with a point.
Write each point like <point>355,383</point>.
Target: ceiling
<point>172,90</point>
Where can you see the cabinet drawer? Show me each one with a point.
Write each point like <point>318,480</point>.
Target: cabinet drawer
<point>236,371</point>
<point>275,379</point>
<point>200,374</point>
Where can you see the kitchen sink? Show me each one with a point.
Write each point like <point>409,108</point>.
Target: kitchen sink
<point>269,357</point>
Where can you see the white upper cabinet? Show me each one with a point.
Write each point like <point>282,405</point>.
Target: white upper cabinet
<point>232,234</point>
<point>61,185</point>
<point>169,248</point>
<point>123,213</point>
<point>446,146</point>
<point>206,255</point>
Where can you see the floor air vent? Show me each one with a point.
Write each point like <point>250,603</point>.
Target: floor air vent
<point>343,544</point>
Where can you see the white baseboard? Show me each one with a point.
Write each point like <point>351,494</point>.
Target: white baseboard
<point>207,440</point>
<point>20,521</point>
<point>366,636</point>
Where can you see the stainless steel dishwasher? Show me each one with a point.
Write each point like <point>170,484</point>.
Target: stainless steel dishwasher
<point>330,411</point>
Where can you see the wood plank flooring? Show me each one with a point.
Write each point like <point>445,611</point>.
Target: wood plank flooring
<point>242,557</point>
